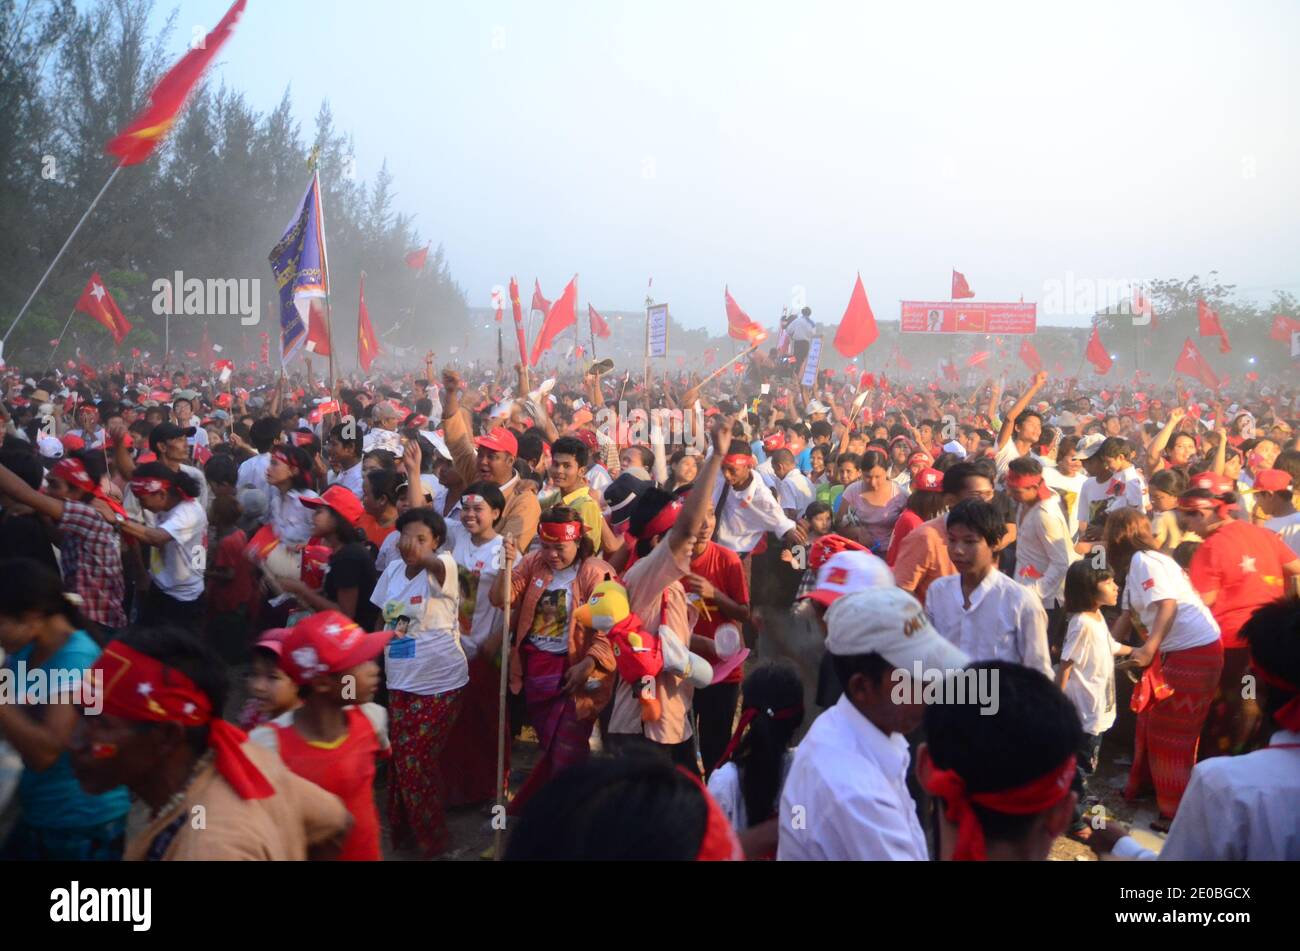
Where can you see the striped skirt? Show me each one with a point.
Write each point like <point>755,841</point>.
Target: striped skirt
<point>1168,730</point>
<point>469,760</point>
<point>419,729</point>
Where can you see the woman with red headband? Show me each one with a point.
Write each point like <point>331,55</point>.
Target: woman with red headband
<point>179,543</point>
<point>92,552</point>
<point>562,669</point>
<point>1181,660</point>
<point>1238,568</point>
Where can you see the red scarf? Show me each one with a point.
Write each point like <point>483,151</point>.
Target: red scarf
<point>73,472</point>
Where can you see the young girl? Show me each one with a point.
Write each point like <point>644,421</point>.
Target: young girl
<point>470,758</point>
<point>271,693</point>
<point>381,492</point>
<point>40,630</point>
<point>1087,672</point>
<point>426,671</point>
<point>747,782</point>
<point>335,736</point>
<point>1166,486</point>
<point>351,575</point>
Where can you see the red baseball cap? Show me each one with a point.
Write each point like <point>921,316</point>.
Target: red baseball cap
<point>328,643</point>
<point>499,440</point>
<point>342,501</point>
<point>73,443</point>
<point>928,480</point>
<point>774,442</point>
<point>1272,480</point>
<point>273,640</point>
<point>1217,484</point>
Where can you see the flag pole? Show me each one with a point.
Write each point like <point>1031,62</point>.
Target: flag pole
<point>59,342</point>
<point>507,636</point>
<point>58,257</point>
<point>325,260</point>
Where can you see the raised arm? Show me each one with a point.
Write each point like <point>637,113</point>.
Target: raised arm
<point>1009,424</point>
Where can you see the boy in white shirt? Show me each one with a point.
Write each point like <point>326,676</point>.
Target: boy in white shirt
<point>794,493</point>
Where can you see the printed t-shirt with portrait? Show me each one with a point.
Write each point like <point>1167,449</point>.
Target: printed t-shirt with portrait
<point>550,629</point>
<point>477,567</point>
<point>425,656</point>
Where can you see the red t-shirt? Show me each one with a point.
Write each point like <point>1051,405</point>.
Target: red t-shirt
<point>723,569</point>
<point>1242,562</point>
<point>228,596</point>
<point>907,521</point>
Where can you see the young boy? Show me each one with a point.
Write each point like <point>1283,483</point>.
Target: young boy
<point>848,469</point>
<point>334,738</point>
<point>271,693</point>
<point>979,609</point>
<point>344,450</point>
<point>568,473</point>
<point>1127,487</point>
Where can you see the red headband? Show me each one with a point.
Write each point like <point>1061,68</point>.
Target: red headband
<point>719,843</point>
<point>139,688</point>
<point>664,520</point>
<point>1219,507</point>
<point>747,716</point>
<point>1288,716</point>
<point>154,484</point>
<point>73,472</point>
<point>738,459</point>
<point>560,531</point>
<point>1018,481</point>
<point>1034,796</point>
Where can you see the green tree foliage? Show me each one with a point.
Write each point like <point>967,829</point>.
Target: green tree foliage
<point>211,203</point>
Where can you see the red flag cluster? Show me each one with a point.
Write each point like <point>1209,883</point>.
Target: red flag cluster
<point>560,316</point>
<point>1193,363</point>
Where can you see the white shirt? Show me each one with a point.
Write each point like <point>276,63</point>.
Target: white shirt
<point>1154,577</point>
<point>1236,809</point>
<point>252,473</point>
<point>425,657</point>
<point>1005,621</point>
<point>478,567</point>
<point>845,797</point>
<point>746,515</point>
<point>1288,526</point>
<point>1127,489</point>
<point>290,519</point>
<point>1043,550</point>
<point>1005,456</point>
<point>1093,503</point>
<point>795,493</point>
<point>802,328</point>
<point>388,550</point>
<point>724,786</point>
<point>92,441</point>
<point>1068,488</point>
<point>598,480</point>
<point>178,566</point>
<point>350,479</point>
<point>1091,687</point>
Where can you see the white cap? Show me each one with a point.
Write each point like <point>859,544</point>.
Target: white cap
<point>439,444</point>
<point>891,623</point>
<point>817,406</point>
<point>956,448</point>
<point>1087,447</point>
<point>846,572</point>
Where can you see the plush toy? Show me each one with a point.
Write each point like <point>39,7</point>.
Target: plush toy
<point>639,655</point>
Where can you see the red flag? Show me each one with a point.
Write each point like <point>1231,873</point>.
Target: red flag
<point>145,133</point>
<point>516,305</point>
<point>367,342</point>
<point>1210,326</point>
<point>1097,354</point>
<point>98,304</point>
<point>950,371</point>
<point>710,356</point>
<point>902,361</point>
<point>975,359</point>
<point>739,326</point>
<point>1283,327</point>
<point>598,326</point>
<point>1193,364</point>
<point>416,260</point>
<point>858,328</point>
<point>1029,354</point>
<point>562,315</point>
<point>960,289</point>
<point>540,303</point>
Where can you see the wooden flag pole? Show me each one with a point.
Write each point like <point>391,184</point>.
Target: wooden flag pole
<point>59,342</point>
<point>506,637</point>
<point>728,365</point>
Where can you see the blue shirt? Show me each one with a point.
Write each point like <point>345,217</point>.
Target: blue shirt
<point>803,461</point>
<point>53,799</point>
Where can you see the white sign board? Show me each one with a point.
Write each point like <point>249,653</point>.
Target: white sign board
<point>657,330</point>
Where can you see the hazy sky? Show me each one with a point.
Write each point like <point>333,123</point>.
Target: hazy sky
<point>769,145</point>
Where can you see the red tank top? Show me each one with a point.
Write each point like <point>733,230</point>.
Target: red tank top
<point>347,771</point>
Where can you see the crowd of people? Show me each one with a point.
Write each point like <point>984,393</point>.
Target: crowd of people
<point>277,594</point>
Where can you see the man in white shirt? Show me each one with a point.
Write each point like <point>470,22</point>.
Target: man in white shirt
<point>1044,551</point>
<point>1243,808</point>
<point>745,509</point>
<point>794,493</point>
<point>846,797</point>
<point>263,434</point>
<point>344,452</point>
<point>1021,429</point>
<point>1062,483</point>
<point>979,609</point>
<point>1093,500</point>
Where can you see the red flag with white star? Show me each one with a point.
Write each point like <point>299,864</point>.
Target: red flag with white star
<point>367,342</point>
<point>960,289</point>
<point>98,304</point>
<point>1192,363</point>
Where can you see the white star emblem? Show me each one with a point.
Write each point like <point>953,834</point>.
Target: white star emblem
<point>1247,564</point>
<point>145,689</point>
<point>189,709</point>
<point>98,292</point>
